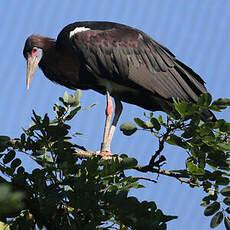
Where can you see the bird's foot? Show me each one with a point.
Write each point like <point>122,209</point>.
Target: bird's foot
<point>105,154</point>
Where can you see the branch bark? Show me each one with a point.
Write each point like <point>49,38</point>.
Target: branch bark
<point>153,166</point>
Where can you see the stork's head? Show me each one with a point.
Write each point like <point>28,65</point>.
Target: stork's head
<point>32,52</point>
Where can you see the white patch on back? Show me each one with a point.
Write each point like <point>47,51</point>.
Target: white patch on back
<point>78,30</point>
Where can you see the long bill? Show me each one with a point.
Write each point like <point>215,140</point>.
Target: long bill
<point>32,63</point>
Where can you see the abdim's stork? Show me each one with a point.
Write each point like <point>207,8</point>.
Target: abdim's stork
<point>115,60</point>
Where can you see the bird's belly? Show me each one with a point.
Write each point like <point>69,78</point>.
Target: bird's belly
<point>142,98</point>
<point>115,89</point>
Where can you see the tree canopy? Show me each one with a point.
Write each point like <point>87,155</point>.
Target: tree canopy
<point>74,188</point>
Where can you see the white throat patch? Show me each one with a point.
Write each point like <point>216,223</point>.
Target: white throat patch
<point>78,30</point>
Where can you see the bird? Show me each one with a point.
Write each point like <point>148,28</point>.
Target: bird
<point>117,61</point>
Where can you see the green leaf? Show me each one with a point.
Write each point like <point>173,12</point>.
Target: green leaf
<point>5,190</point>
<point>225,127</point>
<point>23,138</point>
<point>72,113</point>
<point>46,120</point>
<point>219,123</point>
<point>20,170</point>
<point>77,96</point>
<point>66,97</point>
<point>205,202</point>
<point>160,119</point>
<point>227,201</point>
<point>10,201</point>
<point>155,123</point>
<point>216,220</point>
<point>148,125</point>
<point>37,174</point>
<point>128,128</point>
<point>222,181</point>
<point>4,140</point>
<point>72,100</point>
<point>188,133</point>
<point>128,163</point>
<point>204,99</point>
<point>37,119</point>
<point>227,222</point>
<point>9,157</point>
<point>212,209</point>
<point>57,131</point>
<point>213,196</point>
<point>228,210</point>
<point>225,191</point>
<point>140,123</point>
<point>222,102</point>
<point>175,140</point>
<point>15,163</point>
<point>194,169</point>
<point>185,109</point>
<point>77,134</point>
<point>224,147</point>
<point>90,106</point>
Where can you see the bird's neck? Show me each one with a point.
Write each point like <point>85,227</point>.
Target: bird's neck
<point>48,43</point>
<point>49,57</point>
<point>58,65</point>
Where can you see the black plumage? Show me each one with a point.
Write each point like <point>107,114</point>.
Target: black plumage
<point>115,58</point>
<point>147,72</point>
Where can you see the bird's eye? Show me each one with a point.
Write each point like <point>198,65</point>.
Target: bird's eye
<point>33,52</point>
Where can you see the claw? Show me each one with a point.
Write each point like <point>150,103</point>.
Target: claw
<point>105,154</point>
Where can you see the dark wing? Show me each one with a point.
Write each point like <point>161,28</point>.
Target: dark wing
<point>131,58</point>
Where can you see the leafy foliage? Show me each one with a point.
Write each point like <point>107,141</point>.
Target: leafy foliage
<point>68,190</point>
<point>73,188</point>
<point>207,145</point>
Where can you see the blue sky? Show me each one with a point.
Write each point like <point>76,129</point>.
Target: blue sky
<point>197,33</point>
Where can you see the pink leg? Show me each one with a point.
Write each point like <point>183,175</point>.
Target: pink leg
<point>109,131</point>
<point>118,110</point>
<point>105,146</point>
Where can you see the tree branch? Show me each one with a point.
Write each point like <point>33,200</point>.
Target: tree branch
<point>178,176</point>
<point>158,163</point>
<point>144,178</point>
<point>151,167</point>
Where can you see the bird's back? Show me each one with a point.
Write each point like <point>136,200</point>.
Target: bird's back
<point>107,56</point>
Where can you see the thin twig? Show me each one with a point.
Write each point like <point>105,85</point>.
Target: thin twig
<point>178,176</point>
<point>153,163</point>
<point>161,171</point>
<point>144,178</point>
<point>78,146</point>
<point>188,182</point>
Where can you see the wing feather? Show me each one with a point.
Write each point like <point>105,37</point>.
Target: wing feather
<point>131,58</point>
